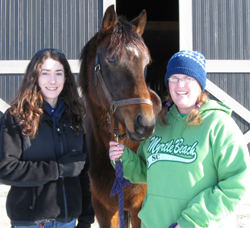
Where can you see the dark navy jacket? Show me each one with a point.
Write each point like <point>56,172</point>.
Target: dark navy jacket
<point>30,166</point>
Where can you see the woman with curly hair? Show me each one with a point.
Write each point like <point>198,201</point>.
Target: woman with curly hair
<point>43,153</point>
<point>196,163</point>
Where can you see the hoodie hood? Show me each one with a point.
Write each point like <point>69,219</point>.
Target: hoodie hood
<point>212,105</point>
<point>205,110</point>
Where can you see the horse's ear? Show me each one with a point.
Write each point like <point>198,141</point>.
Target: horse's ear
<point>140,22</point>
<point>109,19</point>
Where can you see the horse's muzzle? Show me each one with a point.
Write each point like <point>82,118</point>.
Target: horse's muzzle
<point>143,128</point>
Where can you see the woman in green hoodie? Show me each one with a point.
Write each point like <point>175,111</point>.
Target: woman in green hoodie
<point>196,163</point>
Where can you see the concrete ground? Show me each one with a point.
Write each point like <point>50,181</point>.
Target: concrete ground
<point>243,211</point>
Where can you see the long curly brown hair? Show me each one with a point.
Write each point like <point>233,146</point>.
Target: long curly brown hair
<point>29,103</point>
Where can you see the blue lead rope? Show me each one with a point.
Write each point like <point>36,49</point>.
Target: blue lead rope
<point>119,184</point>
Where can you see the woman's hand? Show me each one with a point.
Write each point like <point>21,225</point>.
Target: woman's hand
<point>115,150</point>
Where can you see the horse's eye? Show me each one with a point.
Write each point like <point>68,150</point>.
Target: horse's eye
<point>112,60</point>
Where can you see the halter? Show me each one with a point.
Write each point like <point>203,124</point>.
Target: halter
<point>114,104</point>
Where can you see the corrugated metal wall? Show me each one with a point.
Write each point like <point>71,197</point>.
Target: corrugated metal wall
<point>237,86</point>
<point>27,26</point>
<point>221,30</point>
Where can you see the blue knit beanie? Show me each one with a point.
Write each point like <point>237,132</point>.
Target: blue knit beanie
<point>191,63</point>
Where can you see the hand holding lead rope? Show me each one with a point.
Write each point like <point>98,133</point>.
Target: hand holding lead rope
<point>115,152</point>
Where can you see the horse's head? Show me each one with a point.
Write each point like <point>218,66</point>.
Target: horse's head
<point>119,57</point>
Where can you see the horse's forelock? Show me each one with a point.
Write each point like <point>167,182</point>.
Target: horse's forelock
<point>125,35</point>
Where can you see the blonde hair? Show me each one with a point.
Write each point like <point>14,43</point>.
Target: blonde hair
<point>193,118</point>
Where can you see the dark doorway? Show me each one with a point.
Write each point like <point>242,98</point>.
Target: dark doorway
<point>161,34</point>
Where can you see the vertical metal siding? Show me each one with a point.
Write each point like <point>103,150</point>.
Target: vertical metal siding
<point>221,30</point>
<point>8,86</point>
<point>237,86</point>
<point>27,26</point>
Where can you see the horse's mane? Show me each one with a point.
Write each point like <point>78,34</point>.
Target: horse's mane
<point>125,35</point>
<point>83,58</point>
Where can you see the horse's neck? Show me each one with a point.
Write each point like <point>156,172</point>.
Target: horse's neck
<point>97,120</point>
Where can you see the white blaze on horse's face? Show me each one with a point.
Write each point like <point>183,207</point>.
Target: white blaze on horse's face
<point>133,50</point>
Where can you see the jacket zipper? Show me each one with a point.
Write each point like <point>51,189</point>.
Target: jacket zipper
<point>63,185</point>
<point>67,136</point>
<point>65,200</point>
<point>60,142</point>
<point>32,207</point>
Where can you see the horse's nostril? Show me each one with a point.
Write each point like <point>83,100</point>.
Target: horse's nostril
<point>144,126</point>
<point>139,128</point>
<point>139,119</point>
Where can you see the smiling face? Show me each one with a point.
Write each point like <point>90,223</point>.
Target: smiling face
<point>184,95</point>
<point>51,80</point>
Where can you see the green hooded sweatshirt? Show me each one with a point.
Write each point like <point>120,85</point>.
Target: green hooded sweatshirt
<point>195,175</point>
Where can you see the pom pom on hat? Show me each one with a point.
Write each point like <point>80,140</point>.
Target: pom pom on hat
<point>191,63</point>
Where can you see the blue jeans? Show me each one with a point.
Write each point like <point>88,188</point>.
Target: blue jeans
<point>71,224</point>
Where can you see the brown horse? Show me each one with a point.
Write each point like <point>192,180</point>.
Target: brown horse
<point>112,79</point>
